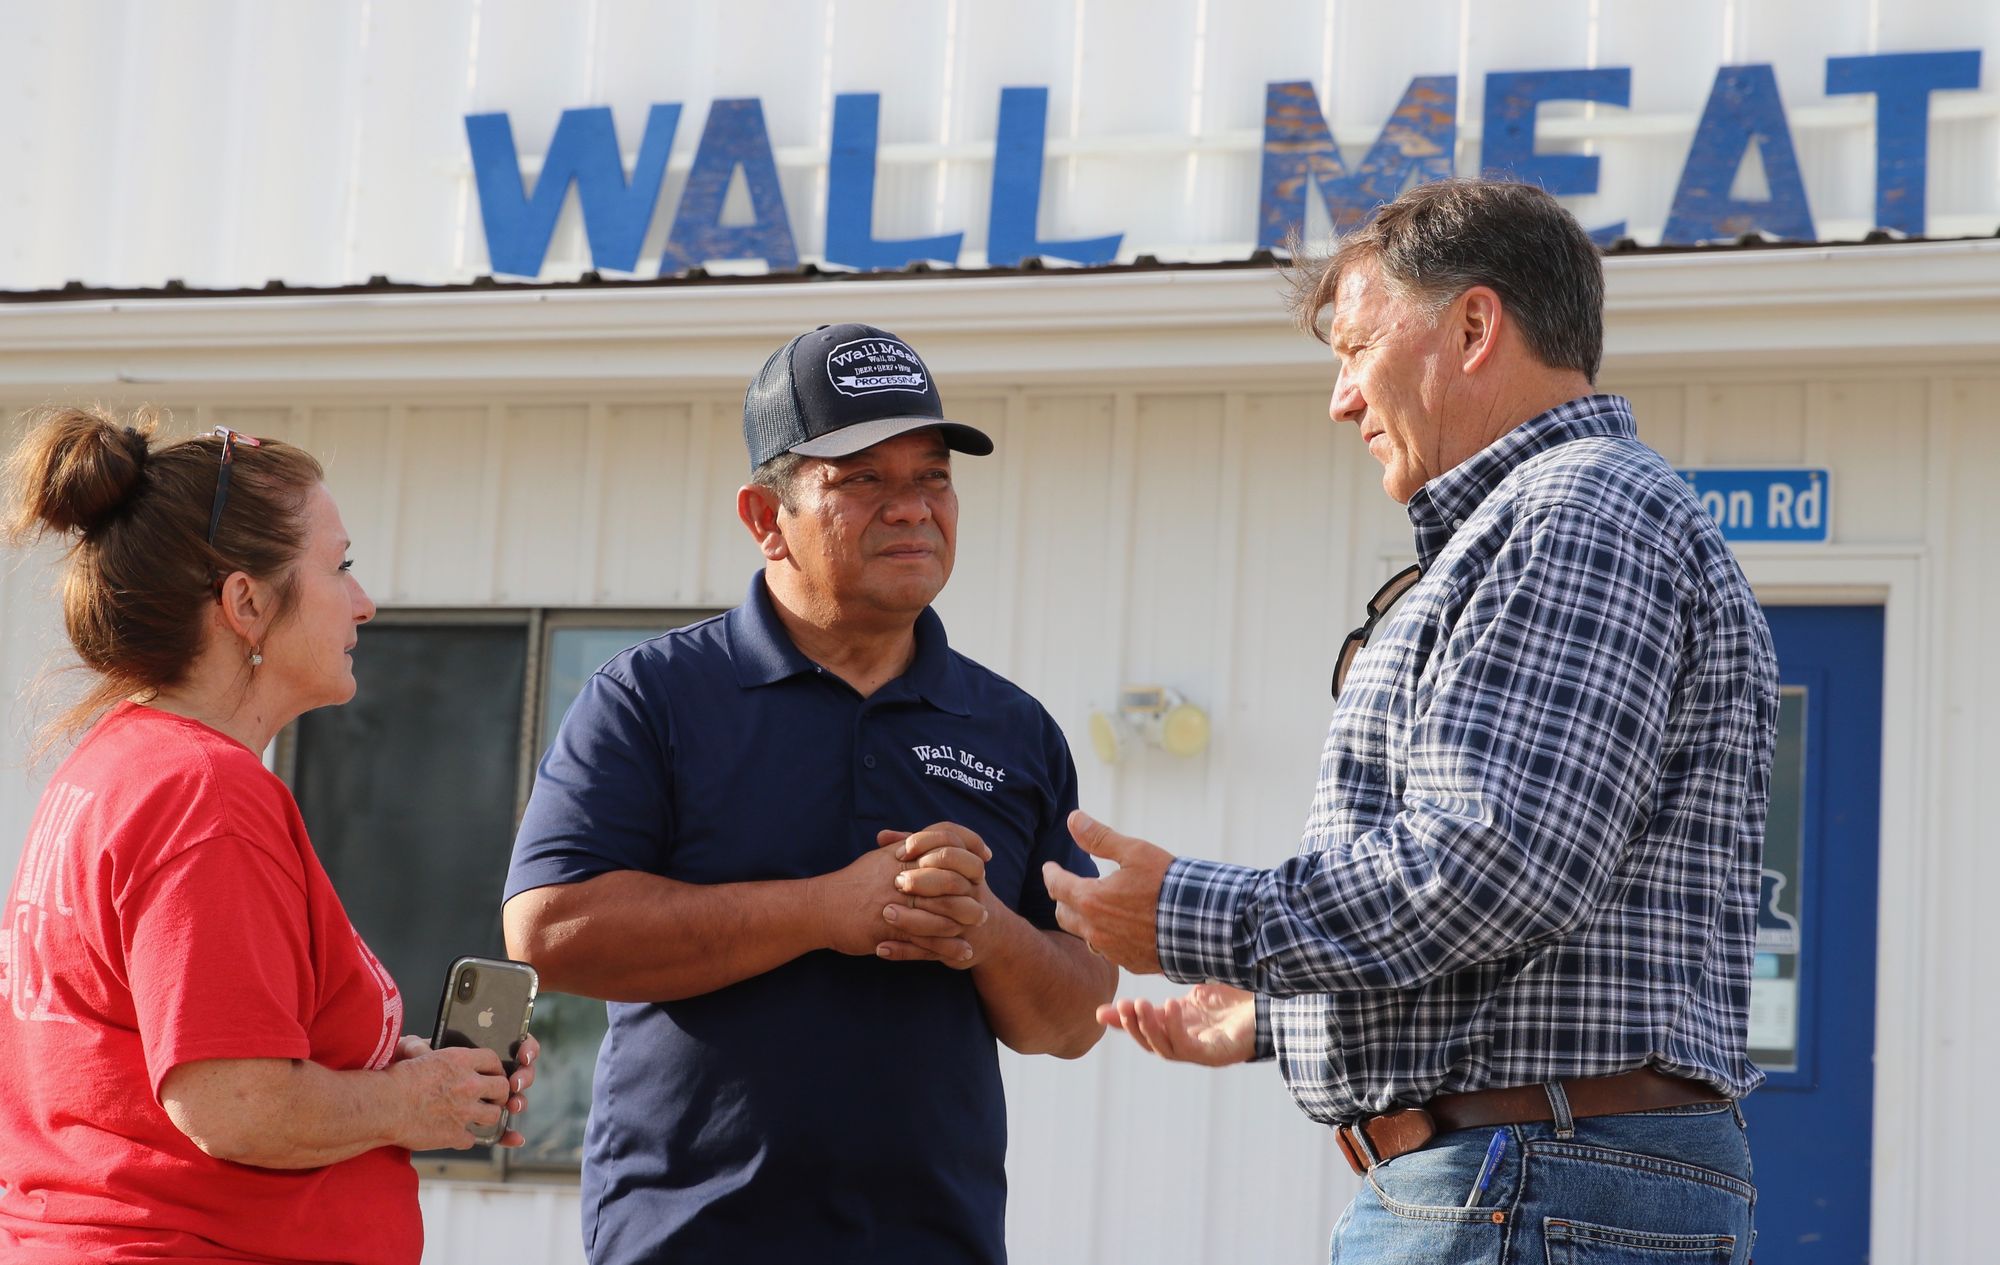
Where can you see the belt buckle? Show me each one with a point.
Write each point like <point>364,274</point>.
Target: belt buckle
<point>1355,1148</point>
<point>1406,1129</point>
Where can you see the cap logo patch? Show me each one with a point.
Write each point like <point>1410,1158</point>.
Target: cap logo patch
<point>868,365</point>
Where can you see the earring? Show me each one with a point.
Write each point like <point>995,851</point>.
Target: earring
<point>256,659</point>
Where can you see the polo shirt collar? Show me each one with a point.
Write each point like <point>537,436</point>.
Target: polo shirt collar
<point>1441,506</point>
<point>764,654</point>
<point>759,646</point>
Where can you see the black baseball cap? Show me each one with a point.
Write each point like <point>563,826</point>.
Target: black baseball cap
<point>842,388</point>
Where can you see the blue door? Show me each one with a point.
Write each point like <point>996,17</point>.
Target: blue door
<point>1812,1020</point>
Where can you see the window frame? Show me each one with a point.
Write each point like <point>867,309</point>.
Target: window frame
<point>539,624</point>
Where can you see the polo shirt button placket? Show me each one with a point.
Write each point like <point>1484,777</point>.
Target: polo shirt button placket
<point>869,813</point>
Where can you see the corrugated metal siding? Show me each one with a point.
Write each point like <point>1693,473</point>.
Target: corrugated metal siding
<point>1218,540</point>
<point>485,1221</point>
<point>1962,865</point>
<point>325,143</point>
<point>31,645</point>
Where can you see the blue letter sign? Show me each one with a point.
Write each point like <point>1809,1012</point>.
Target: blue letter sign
<point>584,150</point>
<point>1743,109</point>
<point>1508,150</point>
<point>733,137</point>
<point>1017,189</point>
<point>1416,144</point>
<point>850,195</point>
<point>1902,84</point>
<point>1299,150</point>
<point>1765,504</point>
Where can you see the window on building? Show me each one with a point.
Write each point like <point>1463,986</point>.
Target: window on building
<point>412,792</point>
<point>1781,906</point>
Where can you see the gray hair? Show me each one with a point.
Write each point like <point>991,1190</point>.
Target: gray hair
<point>780,477</point>
<point>1439,240</point>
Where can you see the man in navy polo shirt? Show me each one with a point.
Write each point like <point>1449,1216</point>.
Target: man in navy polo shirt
<point>724,844</point>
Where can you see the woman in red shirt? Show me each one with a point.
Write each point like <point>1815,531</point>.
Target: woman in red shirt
<point>203,1060</point>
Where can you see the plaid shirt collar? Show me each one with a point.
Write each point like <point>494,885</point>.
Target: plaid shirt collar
<point>1441,506</point>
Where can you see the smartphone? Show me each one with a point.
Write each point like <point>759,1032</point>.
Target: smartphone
<point>486,1005</point>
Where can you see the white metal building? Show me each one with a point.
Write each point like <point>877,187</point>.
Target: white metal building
<point>535,472</point>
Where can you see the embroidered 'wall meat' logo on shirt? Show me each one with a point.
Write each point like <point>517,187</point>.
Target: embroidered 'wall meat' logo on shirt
<point>955,764</point>
<point>868,365</point>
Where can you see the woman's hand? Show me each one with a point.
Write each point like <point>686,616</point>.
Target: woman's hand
<point>446,1094</point>
<point>524,1079</point>
<point>452,1092</point>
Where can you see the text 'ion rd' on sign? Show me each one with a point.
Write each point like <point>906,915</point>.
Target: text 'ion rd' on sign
<point>1789,505</point>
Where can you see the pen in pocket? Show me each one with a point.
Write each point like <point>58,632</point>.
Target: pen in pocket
<point>1494,1150</point>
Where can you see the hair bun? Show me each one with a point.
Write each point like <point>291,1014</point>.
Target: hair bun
<point>76,468</point>
<point>139,443</point>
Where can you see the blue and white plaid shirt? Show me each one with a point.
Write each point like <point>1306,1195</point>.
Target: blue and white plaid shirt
<point>1535,848</point>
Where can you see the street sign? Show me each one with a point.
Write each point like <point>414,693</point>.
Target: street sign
<point>1789,505</point>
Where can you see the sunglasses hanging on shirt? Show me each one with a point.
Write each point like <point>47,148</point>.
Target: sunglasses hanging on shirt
<point>1378,606</point>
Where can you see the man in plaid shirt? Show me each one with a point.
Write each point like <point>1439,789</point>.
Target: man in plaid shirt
<point>1511,964</point>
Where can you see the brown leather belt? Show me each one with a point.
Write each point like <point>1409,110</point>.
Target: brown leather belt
<point>1379,1139</point>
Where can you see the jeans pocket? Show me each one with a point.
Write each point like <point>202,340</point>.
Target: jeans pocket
<point>1641,1173</point>
<point>1581,1243</point>
<point>1432,1185</point>
<point>1422,1220</point>
<point>1690,1109</point>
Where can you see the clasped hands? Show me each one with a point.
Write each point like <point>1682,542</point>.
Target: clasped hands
<point>921,896</point>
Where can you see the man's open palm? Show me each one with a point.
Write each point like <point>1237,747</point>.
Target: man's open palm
<point>1214,1024</point>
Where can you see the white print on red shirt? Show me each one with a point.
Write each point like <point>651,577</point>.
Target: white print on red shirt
<point>392,1007</point>
<point>44,868</point>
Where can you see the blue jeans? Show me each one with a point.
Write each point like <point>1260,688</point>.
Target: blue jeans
<point>1668,1187</point>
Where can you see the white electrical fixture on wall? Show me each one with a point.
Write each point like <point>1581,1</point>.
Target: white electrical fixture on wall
<point>1152,714</point>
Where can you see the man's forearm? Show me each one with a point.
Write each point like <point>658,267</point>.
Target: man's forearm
<point>1041,989</point>
<point>632,936</point>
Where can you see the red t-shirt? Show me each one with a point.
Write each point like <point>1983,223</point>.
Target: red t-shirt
<point>169,908</point>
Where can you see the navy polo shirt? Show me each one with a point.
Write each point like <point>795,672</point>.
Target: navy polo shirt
<point>837,1108</point>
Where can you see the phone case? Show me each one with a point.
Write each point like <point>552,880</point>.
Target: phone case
<point>487,1003</point>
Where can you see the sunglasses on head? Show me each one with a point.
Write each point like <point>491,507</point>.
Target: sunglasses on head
<point>1378,606</point>
<point>229,439</point>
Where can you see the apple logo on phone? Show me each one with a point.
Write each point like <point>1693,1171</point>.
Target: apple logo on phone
<point>486,1017</point>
